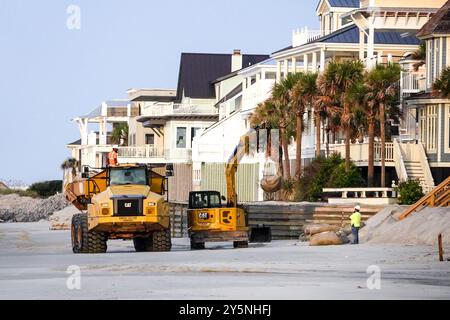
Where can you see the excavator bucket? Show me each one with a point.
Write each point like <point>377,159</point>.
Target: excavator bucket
<point>261,234</point>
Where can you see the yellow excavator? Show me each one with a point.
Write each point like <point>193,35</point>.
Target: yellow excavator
<point>209,220</point>
<point>121,202</point>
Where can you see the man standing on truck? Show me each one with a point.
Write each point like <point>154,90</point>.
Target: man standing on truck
<point>112,157</point>
<point>356,224</point>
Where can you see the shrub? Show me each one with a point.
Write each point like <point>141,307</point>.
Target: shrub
<point>22,193</point>
<point>326,173</point>
<point>410,192</point>
<point>47,188</point>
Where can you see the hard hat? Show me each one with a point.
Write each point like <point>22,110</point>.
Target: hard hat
<point>358,208</point>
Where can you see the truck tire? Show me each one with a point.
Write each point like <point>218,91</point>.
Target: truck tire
<point>240,244</point>
<point>162,241</point>
<point>85,241</point>
<point>143,244</point>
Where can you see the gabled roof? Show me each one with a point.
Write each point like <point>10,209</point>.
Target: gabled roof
<point>438,24</point>
<point>199,70</point>
<point>350,34</point>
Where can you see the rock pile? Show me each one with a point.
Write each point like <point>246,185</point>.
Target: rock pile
<point>14,208</point>
<point>62,220</point>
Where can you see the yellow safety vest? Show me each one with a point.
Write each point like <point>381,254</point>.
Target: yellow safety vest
<point>356,220</point>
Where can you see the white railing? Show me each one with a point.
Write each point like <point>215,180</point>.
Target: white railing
<point>413,82</point>
<point>429,180</point>
<point>360,152</point>
<point>304,35</point>
<point>399,161</point>
<point>177,109</point>
<point>147,151</point>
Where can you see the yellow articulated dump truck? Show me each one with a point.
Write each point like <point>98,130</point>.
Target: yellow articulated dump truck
<point>211,221</point>
<point>122,202</point>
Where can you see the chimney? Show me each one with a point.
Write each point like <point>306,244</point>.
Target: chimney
<point>236,60</point>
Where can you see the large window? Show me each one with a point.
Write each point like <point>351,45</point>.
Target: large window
<point>181,137</point>
<point>150,139</point>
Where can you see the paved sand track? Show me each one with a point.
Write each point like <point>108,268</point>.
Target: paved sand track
<point>34,260</point>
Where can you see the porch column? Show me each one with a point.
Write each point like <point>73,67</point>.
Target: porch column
<point>286,68</point>
<point>294,64</point>
<point>322,60</point>
<point>371,47</point>
<point>278,71</point>
<point>314,62</point>
<point>305,63</point>
<point>362,43</point>
<point>380,57</point>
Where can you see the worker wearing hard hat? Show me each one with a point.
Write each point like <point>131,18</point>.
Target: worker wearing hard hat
<point>356,224</point>
<point>112,157</point>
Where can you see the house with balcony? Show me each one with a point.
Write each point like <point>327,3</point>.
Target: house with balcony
<point>375,32</point>
<point>432,112</point>
<point>95,131</point>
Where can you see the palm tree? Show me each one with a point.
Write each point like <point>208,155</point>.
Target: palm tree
<point>304,94</point>
<point>441,86</point>
<point>119,134</point>
<point>336,81</point>
<point>421,55</point>
<point>282,100</point>
<point>382,83</point>
<point>271,114</point>
<point>71,163</point>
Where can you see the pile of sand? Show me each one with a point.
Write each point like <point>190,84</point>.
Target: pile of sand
<point>14,208</point>
<point>62,220</point>
<point>421,228</point>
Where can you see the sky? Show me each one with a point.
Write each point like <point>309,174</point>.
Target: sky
<point>54,67</point>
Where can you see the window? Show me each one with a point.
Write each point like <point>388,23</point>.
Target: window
<point>447,128</point>
<point>181,138</point>
<point>194,133</point>
<point>271,75</point>
<point>428,127</point>
<point>150,139</point>
<point>128,176</point>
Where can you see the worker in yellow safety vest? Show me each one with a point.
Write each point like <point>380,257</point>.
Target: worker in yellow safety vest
<point>112,158</point>
<point>356,224</point>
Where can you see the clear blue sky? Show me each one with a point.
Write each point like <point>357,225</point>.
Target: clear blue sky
<point>50,74</point>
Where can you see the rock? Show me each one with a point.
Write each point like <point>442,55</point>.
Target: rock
<point>14,208</point>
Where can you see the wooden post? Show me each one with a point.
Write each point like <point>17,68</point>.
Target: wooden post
<point>441,249</point>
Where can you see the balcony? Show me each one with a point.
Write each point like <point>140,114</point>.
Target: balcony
<point>412,82</point>
<point>359,153</point>
<point>304,36</point>
<point>161,110</point>
<point>144,152</point>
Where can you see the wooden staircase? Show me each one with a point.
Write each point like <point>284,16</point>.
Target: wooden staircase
<point>439,197</point>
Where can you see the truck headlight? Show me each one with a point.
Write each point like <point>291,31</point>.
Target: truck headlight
<point>151,204</point>
<point>105,205</point>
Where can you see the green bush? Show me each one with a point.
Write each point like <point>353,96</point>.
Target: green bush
<point>326,173</point>
<point>47,188</point>
<point>22,193</point>
<point>410,192</point>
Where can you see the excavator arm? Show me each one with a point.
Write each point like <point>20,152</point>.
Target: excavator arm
<point>242,149</point>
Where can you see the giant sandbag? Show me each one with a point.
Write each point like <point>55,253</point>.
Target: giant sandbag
<point>326,239</point>
<point>271,184</point>
<point>313,229</point>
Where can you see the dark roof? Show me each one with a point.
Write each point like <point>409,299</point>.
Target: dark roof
<point>344,3</point>
<point>350,34</point>
<point>231,94</point>
<point>438,24</point>
<point>75,143</point>
<point>199,70</point>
